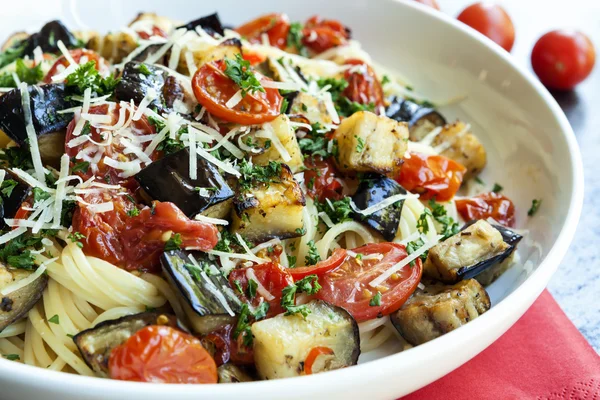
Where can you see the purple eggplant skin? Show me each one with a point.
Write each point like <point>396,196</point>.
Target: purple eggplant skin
<point>408,111</point>
<point>211,24</point>
<point>45,102</point>
<point>373,189</point>
<point>9,205</point>
<point>17,304</point>
<point>47,39</point>
<point>135,85</point>
<point>168,179</point>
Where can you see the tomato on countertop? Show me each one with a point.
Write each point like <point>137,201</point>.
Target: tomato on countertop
<point>348,285</point>
<point>492,21</point>
<point>486,205</point>
<point>431,176</point>
<point>213,89</point>
<point>162,354</point>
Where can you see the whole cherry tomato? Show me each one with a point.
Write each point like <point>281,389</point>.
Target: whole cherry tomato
<point>78,54</point>
<point>348,285</point>
<point>323,34</point>
<point>162,354</point>
<point>213,89</point>
<point>492,21</point>
<point>487,205</point>
<point>431,176</point>
<point>363,85</point>
<point>562,59</point>
<point>275,25</point>
<point>322,179</point>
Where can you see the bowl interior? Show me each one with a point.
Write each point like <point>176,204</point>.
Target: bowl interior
<point>530,148</point>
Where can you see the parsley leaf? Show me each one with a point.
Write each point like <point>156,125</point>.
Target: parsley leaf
<point>413,246</point>
<point>11,54</point>
<point>294,38</point>
<point>54,319</point>
<point>422,222</point>
<point>87,76</point>
<point>497,188</point>
<point>134,212</point>
<point>7,187</point>
<point>174,242</point>
<point>292,261</point>
<point>337,86</point>
<point>308,285</point>
<point>81,167</point>
<point>16,157</point>
<point>243,324</point>
<point>313,256</point>
<point>30,75</point>
<point>143,68</point>
<point>316,144</point>
<point>338,210</point>
<point>11,357</point>
<point>238,286</point>
<point>39,195</point>
<point>375,300</point>
<point>252,286</point>
<point>239,71</point>
<point>449,226</point>
<point>360,146</point>
<point>75,237</point>
<point>535,205</point>
<point>252,175</point>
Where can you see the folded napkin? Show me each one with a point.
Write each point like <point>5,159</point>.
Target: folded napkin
<point>543,356</point>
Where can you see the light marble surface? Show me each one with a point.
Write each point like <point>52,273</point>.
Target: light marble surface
<point>576,284</point>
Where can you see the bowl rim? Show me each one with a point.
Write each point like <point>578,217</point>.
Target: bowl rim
<point>503,315</point>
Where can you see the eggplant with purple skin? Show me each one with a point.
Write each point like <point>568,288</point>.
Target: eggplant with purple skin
<point>44,101</point>
<point>373,189</point>
<point>211,24</point>
<point>96,344</point>
<point>206,291</point>
<point>16,304</point>
<point>14,192</point>
<point>475,249</point>
<point>421,119</point>
<point>168,179</point>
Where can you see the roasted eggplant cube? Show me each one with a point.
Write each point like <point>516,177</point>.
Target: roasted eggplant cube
<point>268,211</point>
<point>282,343</point>
<point>370,143</point>
<point>44,102</point>
<point>421,120</point>
<point>467,253</point>
<point>373,189</point>
<point>15,305</point>
<point>281,128</point>
<point>231,373</point>
<point>47,39</point>
<point>15,192</point>
<point>461,145</point>
<point>96,344</point>
<point>135,85</point>
<point>439,309</point>
<point>211,24</point>
<point>205,290</point>
<point>301,103</point>
<point>168,179</point>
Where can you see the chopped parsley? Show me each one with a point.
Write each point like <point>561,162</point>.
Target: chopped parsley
<point>25,74</point>
<point>337,86</point>
<point>253,175</point>
<point>16,157</point>
<point>7,187</point>
<point>87,76</point>
<point>385,79</point>
<point>54,319</point>
<point>81,167</point>
<point>144,69</point>
<point>11,54</point>
<point>243,324</point>
<point>448,225</point>
<point>11,357</point>
<point>294,38</point>
<point>239,71</point>
<point>174,242</point>
<point>535,206</point>
<point>413,246</point>
<point>497,188</point>
<point>75,237</point>
<point>338,211</point>
<point>346,107</point>
<point>479,180</point>
<point>40,195</point>
<point>284,106</point>
<point>292,261</point>
<point>301,231</point>
<point>422,222</point>
<point>252,286</point>
<point>360,146</point>
<point>134,212</point>
<point>227,241</point>
<point>308,285</point>
<point>238,286</point>
<point>316,144</point>
<point>313,256</point>
<point>375,300</point>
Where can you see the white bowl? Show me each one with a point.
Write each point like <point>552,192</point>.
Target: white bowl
<point>531,148</point>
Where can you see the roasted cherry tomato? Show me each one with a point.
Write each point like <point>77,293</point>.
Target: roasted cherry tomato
<point>348,285</point>
<point>431,176</point>
<point>162,354</point>
<point>272,276</point>
<point>322,179</point>
<point>253,58</point>
<point>492,21</point>
<point>323,34</point>
<point>312,356</point>
<point>115,150</point>
<point>322,267</point>
<point>229,349</point>
<point>562,59</point>
<point>156,31</point>
<point>79,55</point>
<point>136,243</point>
<point>430,3</point>
<point>276,26</point>
<point>487,205</point>
<point>363,85</point>
<point>213,89</point>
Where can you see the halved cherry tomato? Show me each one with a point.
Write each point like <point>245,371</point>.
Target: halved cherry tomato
<point>487,205</point>
<point>348,285</point>
<point>253,58</point>
<point>312,357</point>
<point>272,276</point>
<point>431,176</point>
<point>275,25</point>
<point>430,3</point>
<point>162,354</point>
<point>156,31</point>
<point>213,89</point>
<point>229,349</point>
<point>136,243</point>
<point>337,258</point>
<point>322,179</point>
<point>562,59</point>
<point>363,85</point>
<point>492,21</point>
<point>77,54</point>
<point>323,34</point>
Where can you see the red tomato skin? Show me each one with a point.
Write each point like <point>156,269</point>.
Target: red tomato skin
<point>487,205</point>
<point>339,286</point>
<point>325,179</point>
<point>492,21</point>
<point>363,88</point>
<point>320,34</point>
<point>77,54</point>
<point>430,3</point>
<point>562,59</point>
<point>212,88</point>
<point>272,276</point>
<point>322,267</point>
<point>229,349</point>
<point>162,354</point>
<point>275,25</point>
<point>156,31</point>
<point>432,176</point>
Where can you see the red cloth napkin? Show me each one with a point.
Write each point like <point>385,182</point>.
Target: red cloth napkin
<point>543,356</point>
